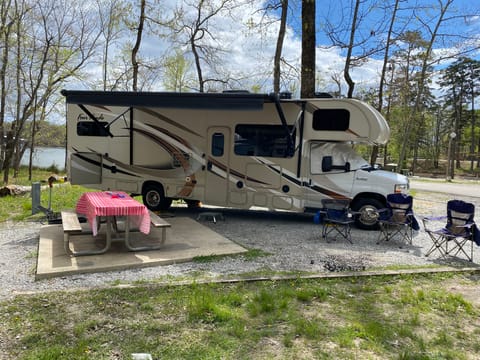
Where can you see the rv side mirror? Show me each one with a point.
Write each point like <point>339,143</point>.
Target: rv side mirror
<point>327,164</point>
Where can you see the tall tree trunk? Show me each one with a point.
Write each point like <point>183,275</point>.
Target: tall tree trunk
<point>348,59</point>
<point>5,31</point>
<point>137,45</point>
<point>307,89</point>
<point>278,50</point>
<point>386,55</point>
<point>472,140</point>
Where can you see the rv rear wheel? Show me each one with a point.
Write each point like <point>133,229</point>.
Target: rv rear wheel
<point>368,218</point>
<point>154,198</point>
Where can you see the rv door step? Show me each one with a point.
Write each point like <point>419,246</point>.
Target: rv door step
<point>209,215</point>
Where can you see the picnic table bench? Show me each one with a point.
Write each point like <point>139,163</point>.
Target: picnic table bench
<point>159,222</point>
<point>71,225</point>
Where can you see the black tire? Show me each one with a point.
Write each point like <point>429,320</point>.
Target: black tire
<point>154,197</point>
<point>367,207</point>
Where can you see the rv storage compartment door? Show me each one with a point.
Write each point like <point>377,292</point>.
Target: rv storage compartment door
<point>85,168</point>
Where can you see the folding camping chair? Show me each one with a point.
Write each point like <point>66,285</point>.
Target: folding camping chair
<point>335,215</point>
<point>459,232</point>
<point>397,219</point>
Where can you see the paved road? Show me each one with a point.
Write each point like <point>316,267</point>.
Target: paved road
<point>470,189</point>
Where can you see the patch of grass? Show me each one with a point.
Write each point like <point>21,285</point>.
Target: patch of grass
<point>32,255</point>
<point>207,258</point>
<point>401,317</point>
<point>19,207</point>
<point>251,254</point>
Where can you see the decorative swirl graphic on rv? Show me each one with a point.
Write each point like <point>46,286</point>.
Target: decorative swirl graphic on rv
<point>223,168</point>
<point>99,164</point>
<point>167,120</point>
<point>296,181</point>
<point>176,153</point>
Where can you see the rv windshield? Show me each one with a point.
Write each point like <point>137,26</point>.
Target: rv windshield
<point>341,153</point>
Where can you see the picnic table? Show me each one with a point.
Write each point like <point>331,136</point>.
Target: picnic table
<point>109,206</point>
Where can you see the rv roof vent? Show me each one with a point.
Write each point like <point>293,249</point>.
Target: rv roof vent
<point>281,95</point>
<point>236,92</point>
<point>285,95</point>
<point>323,95</point>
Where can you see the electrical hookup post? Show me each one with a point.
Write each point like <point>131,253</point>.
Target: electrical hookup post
<point>52,217</point>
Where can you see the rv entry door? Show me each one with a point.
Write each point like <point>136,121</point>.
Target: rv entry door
<point>218,166</point>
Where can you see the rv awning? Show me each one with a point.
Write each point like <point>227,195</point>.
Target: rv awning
<point>213,101</point>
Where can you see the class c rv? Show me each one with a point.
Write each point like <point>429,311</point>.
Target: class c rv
<point>237,150</point>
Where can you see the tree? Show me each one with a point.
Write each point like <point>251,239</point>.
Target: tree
<point>355,32</point>
<point>176,73</point>
<point>7,21</point>
<point>136,47</point>
<point>278,50</point>
<point>385,66</point>
<point>307,89</point>
<point>191,27</point>
<point>55,40</point>
<point>348,58</point>
<point>424,71</point>
<point>406,65</point>
<point>459,81</point>
<point>110,13</point>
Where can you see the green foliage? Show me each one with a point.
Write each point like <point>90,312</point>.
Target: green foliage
<point>404,317</point>
<point>19,207</point>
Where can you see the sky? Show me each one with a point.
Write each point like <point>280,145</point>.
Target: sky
<point>248,48</point>
<point>336,15</point>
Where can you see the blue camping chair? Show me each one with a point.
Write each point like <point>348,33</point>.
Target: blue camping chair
<point>336,216</point>
<point>459,232</point>
<point>397,220</point>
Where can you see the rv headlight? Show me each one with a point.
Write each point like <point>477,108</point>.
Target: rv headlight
<point>401,188</point>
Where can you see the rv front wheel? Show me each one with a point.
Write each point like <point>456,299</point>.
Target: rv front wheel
<point>367,219</point>
<point>154,198</point>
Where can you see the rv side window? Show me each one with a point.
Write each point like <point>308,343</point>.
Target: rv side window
<point>331,120</point>
<point>218,143</point>
<point>91,128</point>
<point>261,140</point>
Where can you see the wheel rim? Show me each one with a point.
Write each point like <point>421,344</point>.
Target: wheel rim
<point>368,215</point>
<point>152,198</point>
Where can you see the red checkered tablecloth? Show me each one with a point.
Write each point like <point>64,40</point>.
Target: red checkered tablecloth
<point>113,203</point>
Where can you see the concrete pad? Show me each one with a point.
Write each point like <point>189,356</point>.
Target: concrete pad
<point>186,239</point>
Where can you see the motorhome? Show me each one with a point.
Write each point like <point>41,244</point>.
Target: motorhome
<point>237,150</point>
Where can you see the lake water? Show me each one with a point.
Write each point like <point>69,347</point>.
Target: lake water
<point>44,157</point>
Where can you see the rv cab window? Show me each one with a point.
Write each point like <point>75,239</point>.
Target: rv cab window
<point>331,120</point>
<point>91,128</point>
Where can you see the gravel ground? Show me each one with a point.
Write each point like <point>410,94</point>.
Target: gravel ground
<point>292,241</point>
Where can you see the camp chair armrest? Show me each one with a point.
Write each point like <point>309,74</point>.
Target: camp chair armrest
<point>467,225</point>
<point>434,218</point>
<point>428,219</point>
<point>410,215</point>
